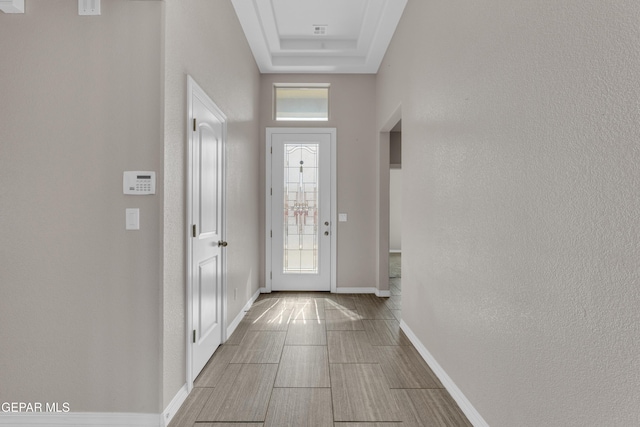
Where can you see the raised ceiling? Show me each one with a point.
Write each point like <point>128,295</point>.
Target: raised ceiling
<point>319,36</point>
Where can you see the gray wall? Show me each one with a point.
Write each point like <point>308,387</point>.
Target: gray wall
<point>204,39</point>
<point>92,314</point>
<point>80,102</point>
<point>521,169</point>
<point>352,113</point>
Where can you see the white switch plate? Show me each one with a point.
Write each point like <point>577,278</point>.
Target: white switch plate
<point>133,219</point>
<point>342,217</point>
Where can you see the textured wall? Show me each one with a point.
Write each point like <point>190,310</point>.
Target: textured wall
<point>79,296</point>
<point>521,168</point>
<point>204,39</point>
<point>352,113</point>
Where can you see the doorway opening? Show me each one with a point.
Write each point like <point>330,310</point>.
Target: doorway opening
<point>395,208</point>
<point>390,155</point>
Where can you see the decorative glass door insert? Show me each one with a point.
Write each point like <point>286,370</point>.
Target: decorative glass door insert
<point>300,228</point>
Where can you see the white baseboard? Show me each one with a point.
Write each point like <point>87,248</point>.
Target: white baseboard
<point>363,291</point>
<point>356,290</point>
<point>465,405</point>
<point>232,327</point>
<point>83,419</point>
<point>347,291</point>
<point>174,405</point>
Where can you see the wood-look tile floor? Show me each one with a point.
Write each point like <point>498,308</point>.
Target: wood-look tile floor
<point>318,359</point>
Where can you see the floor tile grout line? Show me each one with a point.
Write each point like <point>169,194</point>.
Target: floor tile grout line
<point>326,339</point>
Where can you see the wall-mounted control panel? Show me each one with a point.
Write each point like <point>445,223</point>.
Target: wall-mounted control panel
<point>139,183</point>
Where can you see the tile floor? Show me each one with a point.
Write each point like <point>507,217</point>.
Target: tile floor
<point>318,359</point>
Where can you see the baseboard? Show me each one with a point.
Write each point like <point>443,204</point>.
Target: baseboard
<point>356,290</point>
<point>465,405</point>
<point>375,291</point>
<point>84,419</point>
<point>264,291</point>
<point>232,327</point>
<point>174,405</point>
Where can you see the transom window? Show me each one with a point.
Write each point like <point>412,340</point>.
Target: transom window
<point>301,102</point>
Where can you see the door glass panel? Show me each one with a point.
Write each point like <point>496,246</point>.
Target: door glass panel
<point>300,209</point>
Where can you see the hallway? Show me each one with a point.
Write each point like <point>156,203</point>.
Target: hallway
<point>317,359</point>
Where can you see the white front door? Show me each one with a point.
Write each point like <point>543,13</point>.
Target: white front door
<point>301,216</point>
<point>206,162</point>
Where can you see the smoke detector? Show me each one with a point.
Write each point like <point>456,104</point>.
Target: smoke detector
<point>320,30</point>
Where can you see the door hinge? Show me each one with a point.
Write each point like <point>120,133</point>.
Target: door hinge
<point>271,275</point>
<point>270,233</point>
<point>194,124</point>
<point>272,191</point>
<point>194,230</point>
<point>194,336</point>
<point>271,150</point>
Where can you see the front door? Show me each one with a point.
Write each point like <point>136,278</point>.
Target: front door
<point>301,229</point>
<point>206,148</point>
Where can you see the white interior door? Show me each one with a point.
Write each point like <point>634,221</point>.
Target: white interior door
<point>301,215</point>
<point>206,147</point>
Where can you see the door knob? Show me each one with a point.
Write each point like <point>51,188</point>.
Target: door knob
<point>222,243</point>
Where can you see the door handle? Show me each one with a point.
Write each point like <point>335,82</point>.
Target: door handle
<point>222,243</point>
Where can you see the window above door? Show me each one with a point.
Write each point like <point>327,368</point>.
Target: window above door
<point>301,102</point>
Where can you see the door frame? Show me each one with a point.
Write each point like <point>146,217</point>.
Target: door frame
<point>194,88</point>
<point>333,199</point>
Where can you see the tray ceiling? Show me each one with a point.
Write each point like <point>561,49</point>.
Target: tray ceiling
<point>319,36</point>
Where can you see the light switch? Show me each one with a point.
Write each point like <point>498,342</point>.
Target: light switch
<point>342,217</point>
<point>133,219</point>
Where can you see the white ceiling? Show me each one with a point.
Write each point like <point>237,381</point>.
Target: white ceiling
<point>282,39</point>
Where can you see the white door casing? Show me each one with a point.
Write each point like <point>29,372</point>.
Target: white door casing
<point>206,263</point>
<point>301,209</point>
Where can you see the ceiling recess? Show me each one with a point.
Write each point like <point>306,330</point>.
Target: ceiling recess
<point>319,36</point>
